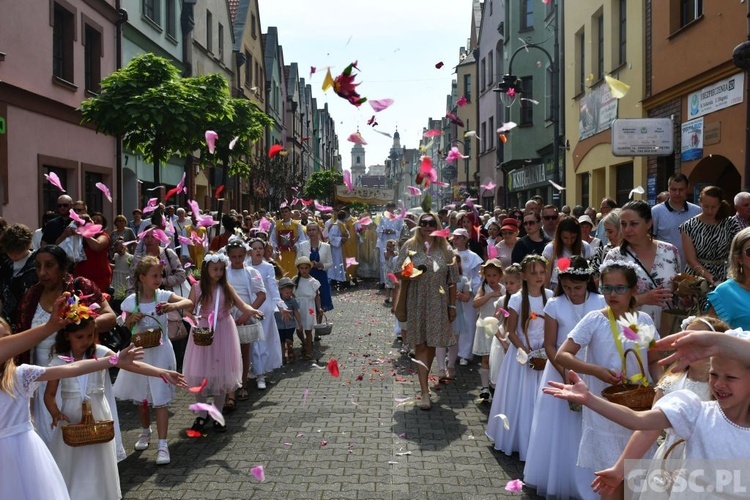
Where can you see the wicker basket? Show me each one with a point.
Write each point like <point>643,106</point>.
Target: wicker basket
<point>634,396</point>
<point>322,329</point>
<point>147,338</point>
<point>88,431</point>
<point>537,360</point>
<point>203,336</point>
<point>251,332</point>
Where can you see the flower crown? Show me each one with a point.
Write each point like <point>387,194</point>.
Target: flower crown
<point>617,263</point>
<point>578,271</point>
<point>76,310</point>
<point>217,257</point>
<point>237,241</point>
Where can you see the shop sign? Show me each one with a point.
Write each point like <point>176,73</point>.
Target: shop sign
<point>527,177</point>
<point>642,137</point>
<point>692,140</point>
<point>718,95</point>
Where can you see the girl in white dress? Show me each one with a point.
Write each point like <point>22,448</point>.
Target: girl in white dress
<point>309,302</point>
<point>566,243</point>
<point>517,382</point>
<point>716,432</point>
<point>602,440</point>
<point>484,302</point>
<point>556,429</point>
<point>266,357</point>
<point>147,308</point>
<point>84,467</point>
<point>694,379</point>
<point>248,283</point>
<point>470,265</point>
<point>463,296</point>
<point>512,282</point>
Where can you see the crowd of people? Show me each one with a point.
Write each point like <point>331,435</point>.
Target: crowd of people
<point>535,295</point>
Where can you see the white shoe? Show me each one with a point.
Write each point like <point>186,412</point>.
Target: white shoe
<point>162,456</point>
<point>143,441</point>
<point>463,362</point>
<point>261,381</point>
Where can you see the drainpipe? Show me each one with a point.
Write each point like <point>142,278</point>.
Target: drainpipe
<point>122,19</point>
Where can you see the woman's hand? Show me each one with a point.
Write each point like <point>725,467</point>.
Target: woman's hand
<point>607,480</point>
<point>57,418</point>
<point>656,297</point>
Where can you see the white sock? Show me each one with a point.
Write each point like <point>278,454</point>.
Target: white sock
<point>484,375</point>
<point>162,443</point>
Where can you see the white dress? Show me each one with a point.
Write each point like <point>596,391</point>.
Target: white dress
<point>483,342</point>
<point>470,265</point>
<point>556,429</point>
<point>42,356</point>
<point>27,469</point>
<point>266,355</point>
<point>84,467</point>
<point>516,385</point>
<point>603,440</point>
<point>460,325</point>
<point>133,386</point>
<point>586,253</point>
<point>305,293</point>
<point>337,272</point>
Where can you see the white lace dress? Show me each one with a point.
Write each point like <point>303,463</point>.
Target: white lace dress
<point>27,469</point>
<point>42,356</point>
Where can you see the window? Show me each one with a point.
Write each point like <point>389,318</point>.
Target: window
<point>600,47</point>
<point>151,10</point>
<point>93,197</point>
<point>467,87</point>
<point>257,76</point>
<point>581,62</point>
<point>253,32</point>
<point>527,15</point>
<point>483,135</point>
<point>63,37</point>
<point>248,69</point>
<point>527,108</point>
<point>585,186</point>
<point>690,10</point>
<point>491,135</point>
<point>624,181</point>
<point>358,161</point>
<point>92,54</point>
<point>171,22</point>
<point>483,72</point>
<point>622,38</point>
<point>221,43</point>
<point>490,69</point>
<point>209,31</point>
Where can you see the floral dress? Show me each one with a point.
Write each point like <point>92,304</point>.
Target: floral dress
<point>665,268</point>
<point>427,297</point>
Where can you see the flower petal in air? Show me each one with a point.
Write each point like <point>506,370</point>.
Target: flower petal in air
<point>506,422</point>
<point>462,101</point>
<point>348,181</point>
<point>351,261</point>
<point>196,390</point>
<point>211,137</point>
<point>104,189</point>
<point>356,138</point>
<point>414,191</point>
<point>392,277</point>
<point>506,127</point>
<point>441,233</point>
<point>274,150</point>
<point>616,87</point>
<point>55,181</point>
<point>380,104</point>
<point>211,409</point>
<point>233,142</point>
<point>432,133</point>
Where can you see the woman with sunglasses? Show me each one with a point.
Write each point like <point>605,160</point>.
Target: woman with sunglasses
<point>656,262</point>
<point>505,246</point>
<point>729,300</point>
<point>431,296</point>
<point>534,241</point>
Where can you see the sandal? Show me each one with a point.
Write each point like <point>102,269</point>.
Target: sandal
<point>442,377</point>
<point>229,406</point>
<point>242,394</point>
<point>450,374</point>
<point>198,424</point>
<point>426,404</point>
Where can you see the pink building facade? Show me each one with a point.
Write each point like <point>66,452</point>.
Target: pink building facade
<point>53,54</point>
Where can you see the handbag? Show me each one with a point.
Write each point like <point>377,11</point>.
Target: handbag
<point>176,327</point>
<point>253,330</point>
<point>116,339</point>
<point>401,310</point>
<point>204,336</point>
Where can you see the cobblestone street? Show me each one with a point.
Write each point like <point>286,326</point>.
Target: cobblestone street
<point>357,436</point>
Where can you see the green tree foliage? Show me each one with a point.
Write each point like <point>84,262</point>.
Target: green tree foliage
<point>322,185</point>
<point>156,111</point>
<point>273,179</point>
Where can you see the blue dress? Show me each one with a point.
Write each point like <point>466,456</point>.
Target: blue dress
<point>325,285</point>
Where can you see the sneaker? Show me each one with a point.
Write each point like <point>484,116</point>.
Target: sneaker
<point>219,428</point>
<point>162,456</point>
<point>484,393</point>
<point>261,383</point>
<point>143,441</point>
<point>463,362</point>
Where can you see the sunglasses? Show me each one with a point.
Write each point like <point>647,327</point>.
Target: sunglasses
<point>616,289</point>
<point>428,223</point>
<point>550,217</point>
<point>529,222</point>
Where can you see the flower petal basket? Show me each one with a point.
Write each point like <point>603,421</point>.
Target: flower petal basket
<point>203,337</point>
<point>88,431</point>
<point>634,396</point>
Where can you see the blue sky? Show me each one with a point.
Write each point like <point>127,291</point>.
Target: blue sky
<point>396,43</point>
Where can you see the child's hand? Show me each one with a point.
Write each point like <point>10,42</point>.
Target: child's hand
<point>164,308</point>
<point>607,376</point>
<point>128,355</point>
<point>577,392</point>
<point>57,418</point>
<point>134,318</point>
<point>174,378</point>
<point>607,480</point>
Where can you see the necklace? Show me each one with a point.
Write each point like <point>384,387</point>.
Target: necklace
<point>721,410</point>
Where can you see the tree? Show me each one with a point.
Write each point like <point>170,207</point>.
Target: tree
<point>156,111</point>
<point>273,180</point>
<point>322,185</point>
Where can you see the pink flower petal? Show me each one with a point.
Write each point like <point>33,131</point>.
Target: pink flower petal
<point>563,264</point>
<point>211,137</point>
<point>104,189</point>
<point>259,473</point>
<point>514,486</point>
<point>211,409</point>
<point>380,104</point>
<point>629,333</point>
<point>55,181</point>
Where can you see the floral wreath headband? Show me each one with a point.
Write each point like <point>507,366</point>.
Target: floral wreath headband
<point>617,263</point>
<point>586,271</point>
<point>76,310</point>
<point>237,241</point>
<point>217,257</point>
<point>692,319</point>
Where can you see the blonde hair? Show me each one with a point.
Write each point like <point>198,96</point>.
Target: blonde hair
<point>735,270</point>
<point>417,242</point>
<point>700,323</point>
<point>8,368</point>
<point>143,266</point>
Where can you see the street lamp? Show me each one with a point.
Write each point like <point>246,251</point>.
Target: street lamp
<point>510,88</point>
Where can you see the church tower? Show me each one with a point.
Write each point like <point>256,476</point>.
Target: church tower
<point>359,167</point>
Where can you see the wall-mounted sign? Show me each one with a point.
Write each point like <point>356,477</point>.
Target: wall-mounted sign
<point>596,111</point>
<point>527,177</point>
<point>719,95</point>
<point>692,140</point>
<point>642,137</point>
<point>712,133</point>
